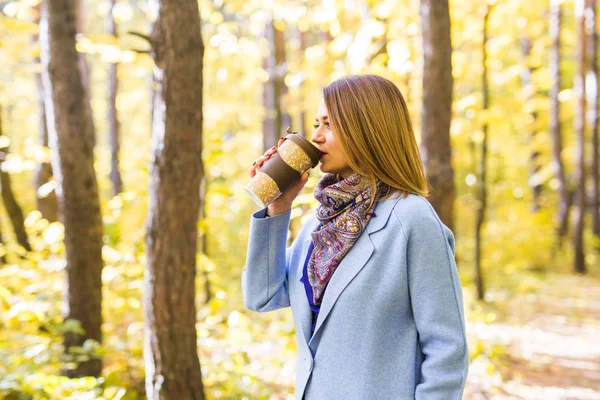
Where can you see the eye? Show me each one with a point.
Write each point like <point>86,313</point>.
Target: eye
<point>315,126</point>
<point>327,124</point>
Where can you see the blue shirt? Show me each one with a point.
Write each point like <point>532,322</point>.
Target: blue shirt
<point>309,293</point>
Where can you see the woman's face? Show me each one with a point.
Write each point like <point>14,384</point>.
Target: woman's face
<point>332,161</point>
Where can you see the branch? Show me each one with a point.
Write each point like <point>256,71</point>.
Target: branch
<point>142,36</point>
<point>147,39</point>
<point>138,51</point>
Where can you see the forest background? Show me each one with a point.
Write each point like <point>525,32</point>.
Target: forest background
<point>523,94</point>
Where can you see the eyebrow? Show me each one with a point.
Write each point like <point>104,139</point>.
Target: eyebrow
<point>323,117</point>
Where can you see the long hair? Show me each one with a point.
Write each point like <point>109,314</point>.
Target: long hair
<point>371,124</point>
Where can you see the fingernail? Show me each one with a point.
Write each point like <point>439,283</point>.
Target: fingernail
<point>274,147</point>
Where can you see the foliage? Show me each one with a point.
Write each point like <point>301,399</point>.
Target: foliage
<point>244,354</point>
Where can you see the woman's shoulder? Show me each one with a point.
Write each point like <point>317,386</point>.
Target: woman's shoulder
<point>414,210</point>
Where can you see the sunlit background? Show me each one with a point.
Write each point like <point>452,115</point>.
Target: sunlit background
<point>534,337</point>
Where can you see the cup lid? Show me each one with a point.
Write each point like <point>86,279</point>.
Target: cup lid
<point>313,153</point>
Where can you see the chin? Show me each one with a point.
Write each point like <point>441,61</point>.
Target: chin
<point>326,170</point>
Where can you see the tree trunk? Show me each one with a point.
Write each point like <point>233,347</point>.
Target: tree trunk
<point>3,251</point>
<point>112,119</point>
<point>562,216</point>
<point>409,75</point>
<point>592,114</point>
<point>47,204</point>
<point>436,111</point>
<point>275,121</point>
<point>280,73</point>
<point>71,135</point>
<point>579,128</point>
<point>481,184</point>
<point>10,203</point>
<point>45,185</point>
<point>534,163</point>
<point>83,64</point>
<point>302,114</point>
<point>171,358</point>
<point>272,119</point>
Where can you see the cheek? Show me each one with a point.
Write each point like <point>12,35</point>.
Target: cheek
<point>334,148</point>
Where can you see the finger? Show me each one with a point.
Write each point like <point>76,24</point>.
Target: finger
<point>270,151</point>
<point>266,156</point>
<point>280,141</point>
<point>260,162</point>
<point>304,178</point>
<point>299,185</point>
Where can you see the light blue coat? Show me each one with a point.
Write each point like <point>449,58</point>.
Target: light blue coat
<point>391,324</point>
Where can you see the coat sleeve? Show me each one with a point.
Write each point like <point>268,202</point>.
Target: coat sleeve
<point>265,276</point>
<point>436,300</point>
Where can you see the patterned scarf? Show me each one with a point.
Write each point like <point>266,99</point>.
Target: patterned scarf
<point>344,213</point>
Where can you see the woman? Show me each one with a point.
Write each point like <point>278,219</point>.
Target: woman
<point>371,278</point>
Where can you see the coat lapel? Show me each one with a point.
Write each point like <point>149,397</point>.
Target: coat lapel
<point>351,265</point>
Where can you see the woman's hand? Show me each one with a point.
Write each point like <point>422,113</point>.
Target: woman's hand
<point>284,202</point>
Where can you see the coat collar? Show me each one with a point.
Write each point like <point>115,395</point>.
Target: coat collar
<point>350,266</point>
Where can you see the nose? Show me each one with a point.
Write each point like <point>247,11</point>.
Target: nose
<point>318,136</point>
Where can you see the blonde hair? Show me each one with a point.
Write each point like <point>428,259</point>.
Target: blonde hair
<point>371,124</point>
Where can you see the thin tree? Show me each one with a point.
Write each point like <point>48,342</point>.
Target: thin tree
<point>110,26</point>
<point>534,163</point>
<point>84,67</point>
<point>409,75</point>
<point>276,120</point>
<point>3,253</point>
<point>481,168</point>
<point>579,128</point>
<point>71,136</point>
<point>562,216</point>
<point>14,211</point>
<point>436,113</point>
<point>47,203</point>
<point>281,72</point>
<point>204,239</point>
<point>591,90</point>
<point>302,114</point>
<point>171,358</point>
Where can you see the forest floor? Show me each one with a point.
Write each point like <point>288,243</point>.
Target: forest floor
<point>543,343</point>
